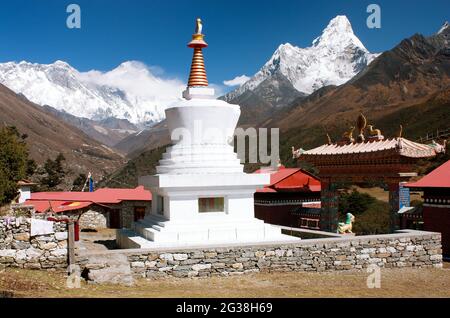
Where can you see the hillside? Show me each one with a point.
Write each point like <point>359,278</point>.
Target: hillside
<point>108,131</point>
<point>141,165</point>
<point>48,135</point>
<point>144,140</point>
<point>407,75</point>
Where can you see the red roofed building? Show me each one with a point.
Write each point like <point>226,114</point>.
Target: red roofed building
<point>436,206</point>
<point>291,199</point>
<point>113,208</point>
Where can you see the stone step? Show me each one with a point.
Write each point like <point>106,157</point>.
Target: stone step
<point>199,154</point>
<point>194,161</point>
<point>181,169</point>
<point>109,269</point>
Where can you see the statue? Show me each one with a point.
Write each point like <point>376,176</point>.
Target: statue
<point>329,142</point>
<point>375,133</point>
<point>199,27</point>
<point>347,226</point>
<point>438,148</point>
<point>361,123</point>
<point>348,135</point>
<point>400,132</point>
<point>297,153</point>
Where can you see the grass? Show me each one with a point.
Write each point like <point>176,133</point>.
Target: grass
<point>394,283</point>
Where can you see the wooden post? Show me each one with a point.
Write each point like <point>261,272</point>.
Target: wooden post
<point>329,206</point>
<point>394,205</point>
<point>71,242</point>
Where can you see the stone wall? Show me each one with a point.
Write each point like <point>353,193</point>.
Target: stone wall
<point>18,249</point>
<point>94,220</point>
<point>127,211</point>
<point>404,249</point>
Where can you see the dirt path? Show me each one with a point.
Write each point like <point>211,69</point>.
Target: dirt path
<point>394,283</point>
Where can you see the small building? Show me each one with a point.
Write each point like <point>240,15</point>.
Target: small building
<point>25,187</point>
<point>103,208</point>
<point>291,199</point>
<point>436,206</point>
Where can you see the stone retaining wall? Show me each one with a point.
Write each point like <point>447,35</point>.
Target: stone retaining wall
<point>405,249</point>
<point>18,249</point>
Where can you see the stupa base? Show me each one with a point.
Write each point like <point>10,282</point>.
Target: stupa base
<point>153,232</point>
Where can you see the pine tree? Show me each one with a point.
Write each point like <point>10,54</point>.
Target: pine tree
<point>79,182</point>
<point>54,172</point>
<point>14,162</point>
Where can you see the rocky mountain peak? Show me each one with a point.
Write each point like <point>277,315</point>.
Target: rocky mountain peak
<point>334,57</point>
<point>444,28</point>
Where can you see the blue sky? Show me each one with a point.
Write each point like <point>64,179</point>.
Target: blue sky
<point>242,35</point>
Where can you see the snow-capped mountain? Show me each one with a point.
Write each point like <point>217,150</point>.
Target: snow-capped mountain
<point>129,91</point>
<point>333,58</point>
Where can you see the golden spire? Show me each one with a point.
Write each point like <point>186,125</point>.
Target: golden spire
<point>197,76</point>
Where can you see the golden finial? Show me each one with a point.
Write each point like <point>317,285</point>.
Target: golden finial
<point>400,132</point>
<point>329,142</point>
<point>198,29</point>
<point>197,75</point>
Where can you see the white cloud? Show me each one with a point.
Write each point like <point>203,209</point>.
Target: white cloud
<point>137,80</point>
<point>237,81</point>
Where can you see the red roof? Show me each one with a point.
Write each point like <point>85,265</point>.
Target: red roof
<point>290,179</point>
<point>105,195</point>
<point>438,178</point>
<point>57,206</point>
<point>67,201</point>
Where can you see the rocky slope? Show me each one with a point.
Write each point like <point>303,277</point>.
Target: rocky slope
<point>48,136</point>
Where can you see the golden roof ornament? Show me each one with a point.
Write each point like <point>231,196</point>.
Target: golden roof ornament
<point>197,75</point>
<point>329,142</point>
<point>375,133</point>
<point>400,132</point>
<point>361,123</point>
<point>348,135</point>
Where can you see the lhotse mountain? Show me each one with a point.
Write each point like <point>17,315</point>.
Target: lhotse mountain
<point>130,91</point>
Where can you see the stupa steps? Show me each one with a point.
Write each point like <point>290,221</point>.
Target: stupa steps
<point>159,225</point>
<point>197,156</point>
<point>146,237</point>
<point>196,169</point>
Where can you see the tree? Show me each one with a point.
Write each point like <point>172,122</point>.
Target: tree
<point>372,215</point>
<point>54,172</point>
<point>354,202</point>
<point>79,182</point>
<point>14,162</point>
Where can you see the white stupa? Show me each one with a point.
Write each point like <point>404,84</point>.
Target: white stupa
<point>200,194</point>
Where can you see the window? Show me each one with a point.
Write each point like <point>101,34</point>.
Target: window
<point>211,205</point>
<point>160,205</point>
<point>139,213</point>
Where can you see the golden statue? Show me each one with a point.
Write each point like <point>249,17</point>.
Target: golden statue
<point>329,142</point>
<point>361,123</point>
<point>199,27</point>
<point>348,135</point>
<point>400,132</point>
<point>375,133</point>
